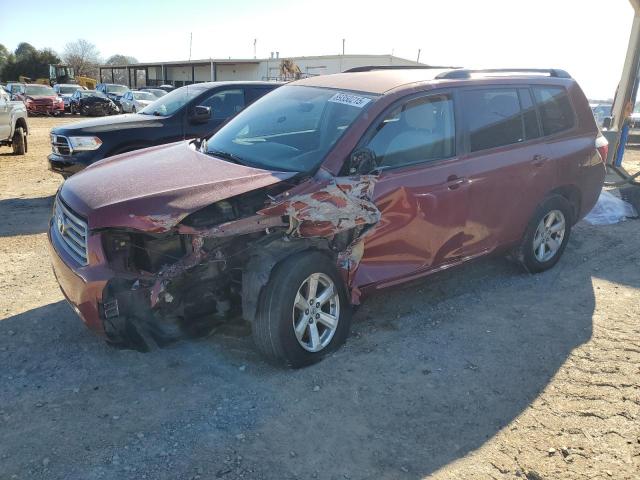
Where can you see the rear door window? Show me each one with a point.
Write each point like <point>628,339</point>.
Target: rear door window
<point>254,93</point>
<point>420,130</point>
<point>495,118</point>
<point>555,109</point>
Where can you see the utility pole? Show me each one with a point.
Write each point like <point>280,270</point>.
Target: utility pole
<point>255,40</point>
<point>343,40</point>
<point>418,60</point>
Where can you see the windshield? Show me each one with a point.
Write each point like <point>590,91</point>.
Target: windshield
<point>69,89</point>
<point>291,128</point>
<point>117,89</point>
<point>88,93</point>
<point>144,96</point>
<point>171,102</point>
<point>39,90</point>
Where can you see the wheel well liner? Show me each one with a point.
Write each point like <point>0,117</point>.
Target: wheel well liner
<point>257,271</point>
<point>21,122</point>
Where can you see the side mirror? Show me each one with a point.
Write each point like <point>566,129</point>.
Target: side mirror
<point>606,122</point>
<point>362,160</point>
<point>200,114</point>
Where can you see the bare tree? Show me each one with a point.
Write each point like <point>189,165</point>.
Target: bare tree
<point>83,56</point>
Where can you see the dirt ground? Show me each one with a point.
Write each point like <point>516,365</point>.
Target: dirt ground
<point>482,372</point>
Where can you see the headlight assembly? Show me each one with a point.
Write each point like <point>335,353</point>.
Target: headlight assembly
<point>85,143</point>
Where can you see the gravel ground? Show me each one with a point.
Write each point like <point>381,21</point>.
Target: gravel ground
<point>481,372</point>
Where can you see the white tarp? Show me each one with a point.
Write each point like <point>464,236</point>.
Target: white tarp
<point>609,210</point>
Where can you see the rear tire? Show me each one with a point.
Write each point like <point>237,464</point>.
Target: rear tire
<point>19,141</point>
<point>547,235</point>
<point>291,330</point>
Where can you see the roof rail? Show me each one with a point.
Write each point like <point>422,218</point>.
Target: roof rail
<point>369,68</point>
<point>466,73</point>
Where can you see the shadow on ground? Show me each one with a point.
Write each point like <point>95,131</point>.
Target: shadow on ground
<point>431,371</point>
<point>25,216</point>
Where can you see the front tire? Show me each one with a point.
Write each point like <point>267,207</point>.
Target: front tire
<point>303,313</point>
<point>547,235</point>
<point>19,141</point>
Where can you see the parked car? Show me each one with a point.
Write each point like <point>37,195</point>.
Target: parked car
<point>158,92</point>
<point>322,192</point>
<point>167,88</point>
<point>113,91</point>
<point>135,100</point>
<point>65,91</point>
<point>92,104</point>
<point>41,100</point>
<point>188,112</point>
<point>13,123</point>
<point>14,89</point>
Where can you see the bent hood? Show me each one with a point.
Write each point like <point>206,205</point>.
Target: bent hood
<point>155,188</point>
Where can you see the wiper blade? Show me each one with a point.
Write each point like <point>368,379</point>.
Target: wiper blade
<point>226,156</point>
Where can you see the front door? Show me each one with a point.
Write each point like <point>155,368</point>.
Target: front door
<point>421,192</point>
<point>223,104</point>
<point>5,116</point>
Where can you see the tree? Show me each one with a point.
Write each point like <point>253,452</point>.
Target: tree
<point>25,51</point>
<point>4,57</point>
<point>118,59</point>
<point>83,56</point>
<point>29,62</point>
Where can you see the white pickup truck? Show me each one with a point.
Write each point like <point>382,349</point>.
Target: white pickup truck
<point>13,124</point>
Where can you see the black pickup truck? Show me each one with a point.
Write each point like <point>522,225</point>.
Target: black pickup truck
<point>191,111</point>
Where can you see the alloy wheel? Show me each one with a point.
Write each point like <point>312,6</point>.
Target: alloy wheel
<point>316,312</point>
<point>549,236</point>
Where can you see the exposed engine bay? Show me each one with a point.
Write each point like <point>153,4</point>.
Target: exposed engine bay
<point>211,266</point>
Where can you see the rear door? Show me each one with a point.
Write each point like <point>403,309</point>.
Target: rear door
<point>510,167</point>
<point>421,192</point>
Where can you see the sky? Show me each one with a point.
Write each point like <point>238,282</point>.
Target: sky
<point>588,38</point>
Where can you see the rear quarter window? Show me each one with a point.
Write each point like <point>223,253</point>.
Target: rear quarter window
<point>555,109</point>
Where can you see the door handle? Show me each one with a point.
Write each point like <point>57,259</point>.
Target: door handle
<point>454,182</point>
<point>539,160</point>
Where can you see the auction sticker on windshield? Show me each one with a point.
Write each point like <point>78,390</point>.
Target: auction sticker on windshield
<point>349,99</point>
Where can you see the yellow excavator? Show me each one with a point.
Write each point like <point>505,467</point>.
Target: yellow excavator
<point>62,73</point>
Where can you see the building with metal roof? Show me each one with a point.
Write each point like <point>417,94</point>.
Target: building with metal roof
<point>179,73</point>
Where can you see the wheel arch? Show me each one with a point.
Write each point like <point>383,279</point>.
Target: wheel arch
<point>573,195</point>
<point>22,122</point>
<point>269,255</point>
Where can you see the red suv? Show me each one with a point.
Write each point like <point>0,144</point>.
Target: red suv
<point>322,192</point>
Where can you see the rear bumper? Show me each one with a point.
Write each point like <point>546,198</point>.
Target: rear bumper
<point>83,287</point>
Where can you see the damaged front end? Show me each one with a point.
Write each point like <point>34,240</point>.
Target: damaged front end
<point>190,274</point>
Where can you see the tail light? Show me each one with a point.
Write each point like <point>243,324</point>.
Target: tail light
<point>602,145</point>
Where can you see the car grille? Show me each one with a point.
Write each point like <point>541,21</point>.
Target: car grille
<point>71,231</point>
<point>60,145</point>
